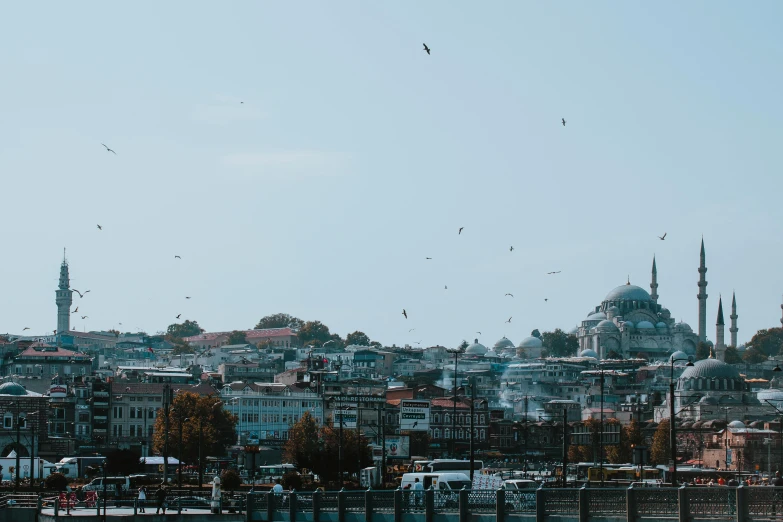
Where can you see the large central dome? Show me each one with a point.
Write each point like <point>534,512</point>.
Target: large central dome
<point>628,293</point>
<point>711,369</point>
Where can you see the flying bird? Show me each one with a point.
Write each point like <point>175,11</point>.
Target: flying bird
<point>404,313</point>
<point>545,299</point>
<point>25,328</point>
<point>427,258</point>
<point>563,120</point>
<point>409,331</point>
<point>426,48</point>
<point>511,249</point>
<point>550,273</point>
<point>108,149</point>
<point>78,292</point>
<point>509,320</point>
<point>478,333</point>
<point>663,237</point>
<point>445,287</point>
<point>460,230</point>
<point>77,309</point>
<point>512,295</point>
<point>85,317</point>
<point>178,316</point>
<point>177,257</point>
<point>418,342</point>
<point>100,227</point>
<point>187,297</point>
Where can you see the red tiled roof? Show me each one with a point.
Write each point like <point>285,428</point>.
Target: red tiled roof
<point>59,352</point>
<point>249,334</point>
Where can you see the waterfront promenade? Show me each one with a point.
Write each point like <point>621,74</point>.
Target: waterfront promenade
<point>741,504</point>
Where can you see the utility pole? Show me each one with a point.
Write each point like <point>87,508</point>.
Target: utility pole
<point>200,467</point>
<point>383,442</point>
<point>166,405</point>
<point>18,430</point>
<point>472,425</point>
<point>565,447</point>
<point>32,455</point>
<point>601,434</point>
<point>526,433</point>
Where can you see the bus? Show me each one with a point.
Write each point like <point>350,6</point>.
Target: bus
<point>269,474</point>
<point>623,475</point>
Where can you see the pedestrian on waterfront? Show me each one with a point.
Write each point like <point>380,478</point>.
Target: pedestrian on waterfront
<point>160,498</point>
<point>277,489</point>
<point>777,481</point>
<point>721,481</point>
<point>418,491</point>
<point>142,498</point>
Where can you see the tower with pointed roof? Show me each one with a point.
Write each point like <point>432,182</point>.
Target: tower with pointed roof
<point>733,330</point>
<point>654,283</point>
<point>702,296</point>
<point>720,345</point>
<point>64,298</point>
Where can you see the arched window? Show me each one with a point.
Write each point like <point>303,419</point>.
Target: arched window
<point>482,435</point>
<point>436,434</point>
<point>447,418</point>
<point>8,420</point>
<point>447,433</point>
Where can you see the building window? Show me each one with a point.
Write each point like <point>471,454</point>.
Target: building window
<point>84,417</point>
<point>117,412</point>
<point>8,420</point>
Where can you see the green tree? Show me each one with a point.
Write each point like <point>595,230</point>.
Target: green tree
<point>356,452</point>
<point>315,333</point>
<point>660,452</point>
<point>630,436</point>
<point>176,332</point>
<point>280,321</point>
<point>358,338</point>
<point>237,337</point>
<point>732,356</point>
<point>302,447</point>
<point>376,344</point>
<point>218,426</point>
<point>230,480</point>
<point>56,481</point>
<point>182,347</point>
<point>703,351</point>
<point>753,355</point>
<point>768,341</point>
<point>463,345</point>
<point>560,344</point>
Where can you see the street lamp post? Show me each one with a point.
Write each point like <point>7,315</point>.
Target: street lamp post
<point>181,443</point>
<point>672,423</point>
<point>780,429</point>
<point>200,466</point>
<point>601,434</point>
<point>338,366</point>
<point>456,353</point>
<point>472,425</point>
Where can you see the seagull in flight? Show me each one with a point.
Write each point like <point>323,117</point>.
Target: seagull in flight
<point>77,309</point>
<point>177,257</point>
<point>25,328</point>
<point>427,258</point>
<point>187,297</point>
<point>445,287</point>
<point>179,315</point>
<point>545,299</point>
<point>108,149</point>
<point>100,227</point>
<point>563,120</point>
<point>409,331</point>
<point>512,295</point>
<point>478,333</point>
<point>426,48</point>
<point>511,249</point>
<point>509,320</point>
<point>663,237</point>
<point>404,313</point>
<point>550,273</point>
<point>418,342</point>
<point>85,317</point>
<point>460,230</point>
<point>78,292</point>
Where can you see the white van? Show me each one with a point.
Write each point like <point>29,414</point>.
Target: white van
<point>446,485</point>
<point>111,484</point>
<point>523,497</point>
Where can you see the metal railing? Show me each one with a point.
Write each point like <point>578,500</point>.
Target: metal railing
<point>712,501</point>
<point>561,501</point>
<point>656,502</point>
<point>608,501</point>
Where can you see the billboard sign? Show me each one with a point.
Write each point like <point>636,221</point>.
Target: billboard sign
<point>398,446</point>
<point>346,414</point>
<point>58,390</point>
<point>414,415</point>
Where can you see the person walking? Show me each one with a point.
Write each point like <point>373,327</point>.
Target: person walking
<point>160,498</point>
<point>777,481</point>
<point>418,492</point>
<point>142,498</point>
<point>277,489</point>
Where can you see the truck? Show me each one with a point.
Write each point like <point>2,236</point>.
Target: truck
<point>76,467</point>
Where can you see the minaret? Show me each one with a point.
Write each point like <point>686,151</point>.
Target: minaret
<point>720,346</point>
<point>654,283</point>
<point>702,296</point>
<point>781,319</point>
<point>733,330</point>
<point>64,299</point>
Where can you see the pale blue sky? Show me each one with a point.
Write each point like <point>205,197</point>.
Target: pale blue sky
<point>355,155</point>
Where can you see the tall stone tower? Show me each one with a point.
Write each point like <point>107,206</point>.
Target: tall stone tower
<point>733,330</point>
<point>702,296</point>
<point>720,345</point>
<point>64,299</point>
<point>654,283</point>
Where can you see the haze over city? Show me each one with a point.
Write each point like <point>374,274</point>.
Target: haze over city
<point>307,159</point>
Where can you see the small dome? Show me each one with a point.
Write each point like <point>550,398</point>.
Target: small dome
<point>12,388</point>
<point>476,348</point>
<point>709,369</point>
<point>606,326</point>
<point>573,331</point>
<point>491,353</point>
<point>683,326</point>
<point>737,425</point>
<point>665,313</point>
<point>596,316</point>
<point>628,292</point>
<point>531,342</point>
<point>679,356</point>
<point>503,344</point>
<point>662,325</point>
<point>588,353</point>
<point>628,324</point>
<point>643,325</point>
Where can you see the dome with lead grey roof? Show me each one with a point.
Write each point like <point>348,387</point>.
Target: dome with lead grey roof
<point>588,353</point>
<point>629,324</point>
<point>737,425</point>
<point>710,369</point>
<point>596,316</point>
<point>531,342</point>
<point>606,326</point>
<point>12,388</point>
<point>503,344</point>
<point>628,293</point>
<point>476,348</point>
<point>644,325</point>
